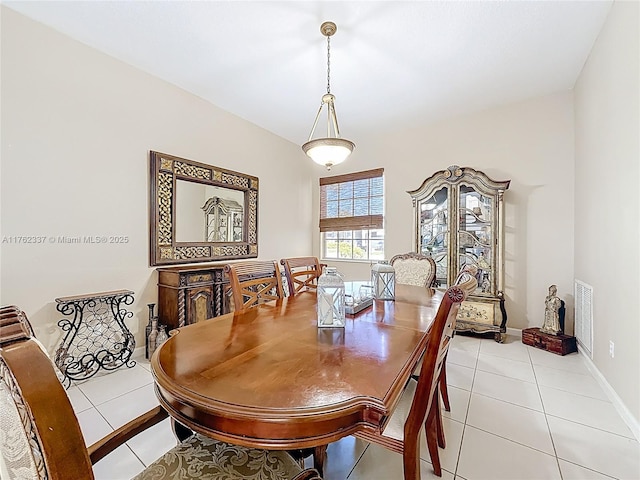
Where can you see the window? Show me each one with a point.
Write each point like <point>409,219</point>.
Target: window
<point>352,215</point>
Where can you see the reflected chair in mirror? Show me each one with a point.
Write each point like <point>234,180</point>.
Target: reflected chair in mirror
<point>302,273</point>
<point>253,283</point>
<point>424,407</point>
<point>40,436</point>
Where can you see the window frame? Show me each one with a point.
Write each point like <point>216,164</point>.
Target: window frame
<point>333,222</point>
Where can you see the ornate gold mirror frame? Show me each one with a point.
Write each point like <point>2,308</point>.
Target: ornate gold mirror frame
<point>165,247</point>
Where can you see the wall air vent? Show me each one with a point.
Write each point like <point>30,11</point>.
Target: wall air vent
<point>584,316</point>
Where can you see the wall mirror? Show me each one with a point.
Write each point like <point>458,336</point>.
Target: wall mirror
<point>200,213</point>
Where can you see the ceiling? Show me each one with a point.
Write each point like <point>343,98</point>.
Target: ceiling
<point>394,64</point>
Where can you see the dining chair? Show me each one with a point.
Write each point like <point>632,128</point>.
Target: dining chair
<point>424,410</point>
<point>466,273</point>
<point>467,281</point>
<point>414,269</point>
<point>257,282</point>
<point>253,283</point>
<point>418,269</point>
<point>40,437</point>
<point>302,273</point>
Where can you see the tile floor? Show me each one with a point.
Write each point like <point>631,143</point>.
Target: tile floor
<point>516,413</point>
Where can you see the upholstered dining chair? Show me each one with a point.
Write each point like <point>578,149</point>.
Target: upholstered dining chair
<point>253,283</point>
<point>40,437</point>
<point>424,410</point>
<point>302,273</point>
<point>418,269</point>
<point>414,269</point>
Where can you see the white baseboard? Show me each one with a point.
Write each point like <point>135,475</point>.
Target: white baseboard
<point>139,352</point>
<point>516,332</point>
<point>619,405</point>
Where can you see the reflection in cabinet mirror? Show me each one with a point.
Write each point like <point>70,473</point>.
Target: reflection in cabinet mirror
<point>459,220</point>
<point>223,220</point>
<point>206,213</point>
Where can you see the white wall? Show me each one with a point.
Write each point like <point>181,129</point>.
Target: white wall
<point>607,237</point>
<point>529,143</point>
<point>77,127</point>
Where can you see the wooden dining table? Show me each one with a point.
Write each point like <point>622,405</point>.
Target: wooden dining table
<point>268,377</point>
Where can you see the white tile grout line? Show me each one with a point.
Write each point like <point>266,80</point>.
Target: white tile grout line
<point>546,417</point>
<point>466,415</point>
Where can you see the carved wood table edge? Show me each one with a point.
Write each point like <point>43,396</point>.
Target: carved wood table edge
<point>267,377</point>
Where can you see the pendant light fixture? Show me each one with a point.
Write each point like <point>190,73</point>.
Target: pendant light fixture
<point>330,150</point>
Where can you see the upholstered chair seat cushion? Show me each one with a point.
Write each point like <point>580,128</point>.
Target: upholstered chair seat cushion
<point>207,459</point>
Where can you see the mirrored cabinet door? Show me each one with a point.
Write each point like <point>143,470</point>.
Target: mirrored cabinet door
<point>458,221</point>
<point>475,237</point>
<point>434,232</point>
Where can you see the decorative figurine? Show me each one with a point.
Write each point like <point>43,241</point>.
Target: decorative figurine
<point>553,313</point>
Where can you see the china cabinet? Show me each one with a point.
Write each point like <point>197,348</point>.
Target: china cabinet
<point>459,220</point>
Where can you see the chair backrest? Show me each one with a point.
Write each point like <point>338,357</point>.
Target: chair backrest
<point>253,283</point>
<point>11,317</point>
<point>302,273</point>
<point>440,334</point>
<point>414,269</point>
<point>53,446</point>
<point>467,278</point>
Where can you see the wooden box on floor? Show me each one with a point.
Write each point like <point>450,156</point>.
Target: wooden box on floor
<point>559,344</point>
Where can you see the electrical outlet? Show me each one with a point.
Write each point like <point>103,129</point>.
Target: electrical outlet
<point>611,349</point>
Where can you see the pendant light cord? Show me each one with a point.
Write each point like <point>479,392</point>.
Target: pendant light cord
<point>328,65</point>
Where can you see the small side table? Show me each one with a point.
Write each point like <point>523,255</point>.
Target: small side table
<point>96,337</point>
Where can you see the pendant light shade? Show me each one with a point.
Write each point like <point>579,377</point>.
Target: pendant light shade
<point>330,150</point>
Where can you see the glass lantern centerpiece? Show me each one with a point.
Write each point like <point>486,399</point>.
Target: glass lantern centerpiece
<point>383,278</point>
<point>331,301</point>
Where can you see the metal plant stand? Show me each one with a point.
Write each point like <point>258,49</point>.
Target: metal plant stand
<point>96,337</point>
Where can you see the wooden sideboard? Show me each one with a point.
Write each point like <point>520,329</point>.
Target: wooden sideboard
<point>190,294</point>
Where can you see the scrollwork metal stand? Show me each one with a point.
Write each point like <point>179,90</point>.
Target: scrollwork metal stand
<point>97,336</point>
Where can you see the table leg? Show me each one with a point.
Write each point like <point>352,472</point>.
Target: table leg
<point>180,431</point>
<point>319,456</point>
